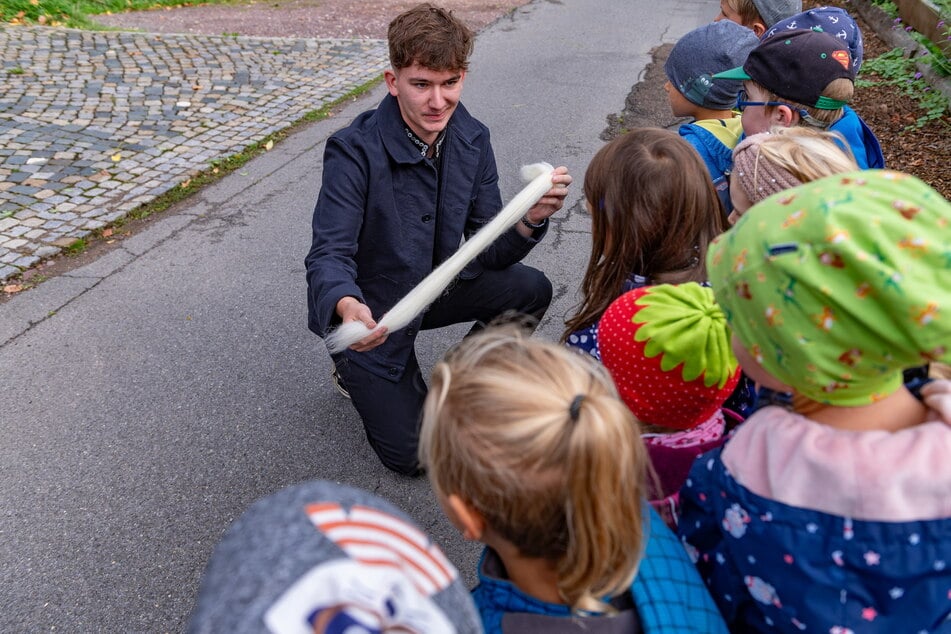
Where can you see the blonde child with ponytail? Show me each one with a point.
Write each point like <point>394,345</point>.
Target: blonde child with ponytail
<point>530,451</point>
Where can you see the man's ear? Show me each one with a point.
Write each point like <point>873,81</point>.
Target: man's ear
<point>468,519</point>
<point>389,76</point>
<point>758,28</point>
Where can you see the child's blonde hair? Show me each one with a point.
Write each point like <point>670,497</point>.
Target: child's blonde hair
<point>769,162</point>
<point>534,437</point>
<point>840,89</point>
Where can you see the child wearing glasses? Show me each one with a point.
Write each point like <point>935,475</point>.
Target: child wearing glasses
<point>804,77</point>
<point>716,128</point>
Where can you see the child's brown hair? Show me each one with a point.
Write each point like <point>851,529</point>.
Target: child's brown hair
<point>534,437</point>
<point>654,211</point>
<point>747,12</point>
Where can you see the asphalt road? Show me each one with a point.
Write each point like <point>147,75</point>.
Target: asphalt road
<point>147,398</point>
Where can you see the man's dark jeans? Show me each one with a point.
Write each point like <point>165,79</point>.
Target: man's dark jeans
<point>391,410</point>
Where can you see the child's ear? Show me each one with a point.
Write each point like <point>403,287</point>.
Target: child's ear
<point>467,518</point>
<point>758,28</point>
<point>786,116</point>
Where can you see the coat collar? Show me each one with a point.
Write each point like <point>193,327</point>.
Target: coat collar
<point>461,126</point>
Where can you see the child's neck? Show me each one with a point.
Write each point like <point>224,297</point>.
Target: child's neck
<point>704,114</point>
<point>534,576</point>
<point>899,410</point>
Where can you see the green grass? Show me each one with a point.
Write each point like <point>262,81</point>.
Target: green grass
<point>81,13</point>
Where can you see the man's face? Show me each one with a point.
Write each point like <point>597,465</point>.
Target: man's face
<point>427,98</point>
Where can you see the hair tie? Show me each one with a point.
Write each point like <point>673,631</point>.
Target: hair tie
<point>574,410</point>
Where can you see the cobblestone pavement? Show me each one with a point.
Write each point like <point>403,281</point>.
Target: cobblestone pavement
<point>95,124</point>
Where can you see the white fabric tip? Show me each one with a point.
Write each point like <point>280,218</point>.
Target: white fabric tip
<point>426,292</point>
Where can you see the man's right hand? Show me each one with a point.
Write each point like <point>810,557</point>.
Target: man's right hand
<point>352,309</point>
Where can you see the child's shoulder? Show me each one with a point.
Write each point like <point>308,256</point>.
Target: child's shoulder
<point>879,475</point>
<point>668,590</point>
<point>719,134</point>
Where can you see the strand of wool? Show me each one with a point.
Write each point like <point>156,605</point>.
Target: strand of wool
<point>416,301</point>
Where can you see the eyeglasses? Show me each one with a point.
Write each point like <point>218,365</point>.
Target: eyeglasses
<point>742,103</point>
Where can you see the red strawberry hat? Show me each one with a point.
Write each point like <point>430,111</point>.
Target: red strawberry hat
<point>668,349</point>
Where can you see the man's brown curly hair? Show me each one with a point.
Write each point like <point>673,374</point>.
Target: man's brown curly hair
<point>431,37</point>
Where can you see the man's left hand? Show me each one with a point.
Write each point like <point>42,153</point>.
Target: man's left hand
<point>552,201</point>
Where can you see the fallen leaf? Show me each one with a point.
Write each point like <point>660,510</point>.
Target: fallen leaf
<point>269,145</point>
<point>13,288</point>
<point>35,3</point>
<point>41,19</point>
<point>106,233</point>
<point>185,184</point>
<point>116,157</point>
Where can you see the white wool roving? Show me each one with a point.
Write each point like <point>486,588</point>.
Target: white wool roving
<point>436,282</point>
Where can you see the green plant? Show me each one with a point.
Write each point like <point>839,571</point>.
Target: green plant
<point>894,68</point>
<point>80,13</point>
<point>76,247</point>
<point>16,70</point>
<point>937,57</point>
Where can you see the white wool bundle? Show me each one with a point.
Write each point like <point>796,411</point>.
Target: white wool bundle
<point>436,282</point>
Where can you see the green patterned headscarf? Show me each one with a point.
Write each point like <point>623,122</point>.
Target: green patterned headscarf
<point>836,286</point>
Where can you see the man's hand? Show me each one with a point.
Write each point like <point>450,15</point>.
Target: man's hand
<point>551,202</point>
<point>352,309</point>
<point>937,396</point>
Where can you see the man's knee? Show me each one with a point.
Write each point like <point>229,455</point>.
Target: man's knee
<point>404,464</point>
<point>536,290</point>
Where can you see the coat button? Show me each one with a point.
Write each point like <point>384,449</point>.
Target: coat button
<point>393,371</point>
<point>427,217</point>
<point>410,332</point>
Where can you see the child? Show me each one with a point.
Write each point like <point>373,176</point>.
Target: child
<point>530,451</point>
<point>653,213</point>
<point>697,56</point>
<point>323,558</point>
<point>769,162</point>
<point>832,20</point>
<point>757,15</point>
<point>668,350</point>
<point>834,515</point>
<point>804,77</point>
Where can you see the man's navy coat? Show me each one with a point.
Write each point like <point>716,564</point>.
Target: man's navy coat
<point>380,225</point>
